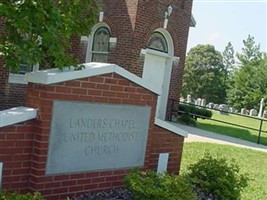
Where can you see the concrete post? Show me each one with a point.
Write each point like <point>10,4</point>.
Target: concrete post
<point>261,107</point>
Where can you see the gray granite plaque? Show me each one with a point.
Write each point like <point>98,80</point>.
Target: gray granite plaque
<point>91,136</point>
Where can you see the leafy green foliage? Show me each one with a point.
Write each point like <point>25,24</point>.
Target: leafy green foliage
<point>187,119</point>
<point>214,175</point>
<point>251,53</point>
<point>248,84</point>
<point>150,186</point>
<point>188,114</point>
<point>16,196</point>
<point>40,31</point>
<point>195,110</point>
<point>229,60</point>
<point>204,74</point>
<point>250,161</point>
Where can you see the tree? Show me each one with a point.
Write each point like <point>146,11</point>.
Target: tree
<point>40,31</point>
<point>204,74</point>
<point>249,82</point>
<point>251,53</point>
<point>229,60</point>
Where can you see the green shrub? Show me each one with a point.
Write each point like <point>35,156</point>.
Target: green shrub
<point>16,196</point>
<point>187,119</point>
<point>150,186</point>
<point>195,110</point>
<point>218,177</point>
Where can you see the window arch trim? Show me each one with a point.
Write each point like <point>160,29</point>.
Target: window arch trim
<point>91,50</point>
<point>158,42</point>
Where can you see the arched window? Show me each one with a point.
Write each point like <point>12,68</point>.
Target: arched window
<point>158,42</point>
<point>100,46</point>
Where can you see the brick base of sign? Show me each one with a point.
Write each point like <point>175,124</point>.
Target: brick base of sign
<point>24,147</point>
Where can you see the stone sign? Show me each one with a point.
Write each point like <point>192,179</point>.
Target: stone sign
<point>90,136</point>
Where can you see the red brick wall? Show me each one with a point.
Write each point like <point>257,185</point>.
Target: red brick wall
<point>131,22</point>
<point>28,146</point>
<point>15,152</point>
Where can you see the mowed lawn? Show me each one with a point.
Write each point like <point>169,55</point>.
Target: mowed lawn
<point>234,131</point>
<point>252,162</point>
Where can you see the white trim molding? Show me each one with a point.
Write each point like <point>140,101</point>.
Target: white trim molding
<point>17,78</point>
<point>16,115</point>
<point>52,76</point>
<point>20,78</point>
<point>1,172</point>
<point>193,22</point>
<point>173,127</point>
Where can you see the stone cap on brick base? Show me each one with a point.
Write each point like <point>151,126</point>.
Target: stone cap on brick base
<point>16,115</point>
<point>170,126</point>
<point>52,76</point>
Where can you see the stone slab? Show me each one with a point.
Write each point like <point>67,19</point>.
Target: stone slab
<point>93,136</point>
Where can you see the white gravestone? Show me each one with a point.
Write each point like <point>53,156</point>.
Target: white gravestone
<point>92,136</point>
<point>210,105</point>
<point>203,102</point>
<point>216,106</point>
<point>261,107</point>
<point>188,99</point>
<point>253,112</point>
<point>223,109</point>
<point>198,102</point>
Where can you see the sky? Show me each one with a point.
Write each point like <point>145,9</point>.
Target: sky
<point>223,21</point>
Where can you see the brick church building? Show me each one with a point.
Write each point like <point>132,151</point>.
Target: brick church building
<point>64,133</point>
<point>139,35</point>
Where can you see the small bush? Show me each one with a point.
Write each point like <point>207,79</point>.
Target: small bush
<point>187,119</point>
<point>218,177</point>
<point>15,196</point>
<point>150,186</point>
<point>195,110</point>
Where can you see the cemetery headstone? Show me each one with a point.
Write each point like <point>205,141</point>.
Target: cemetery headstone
<point>203,102</point>
<point>216,106</point>
<point>253,112</point>
<point>223,109</point>
<point>199,102</point>
<point>243,111</point>
<point>261,107</point>
<point>188,99</point>
<point>211,105</point>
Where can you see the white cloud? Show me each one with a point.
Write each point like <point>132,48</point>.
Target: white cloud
<point>213,37</point>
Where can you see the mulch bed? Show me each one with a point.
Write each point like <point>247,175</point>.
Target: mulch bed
<point>124,194</point>
<point>113,194</point>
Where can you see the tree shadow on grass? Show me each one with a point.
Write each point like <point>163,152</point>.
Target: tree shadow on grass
<point>240,133</point>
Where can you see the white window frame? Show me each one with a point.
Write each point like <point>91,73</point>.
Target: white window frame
<point>20,78</point>
<point>89,52</point>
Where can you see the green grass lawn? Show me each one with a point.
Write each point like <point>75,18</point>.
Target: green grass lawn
<point>234,131</point>
<point>251,162</point>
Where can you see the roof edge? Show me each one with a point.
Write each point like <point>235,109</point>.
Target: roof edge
<point>52,76</point>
